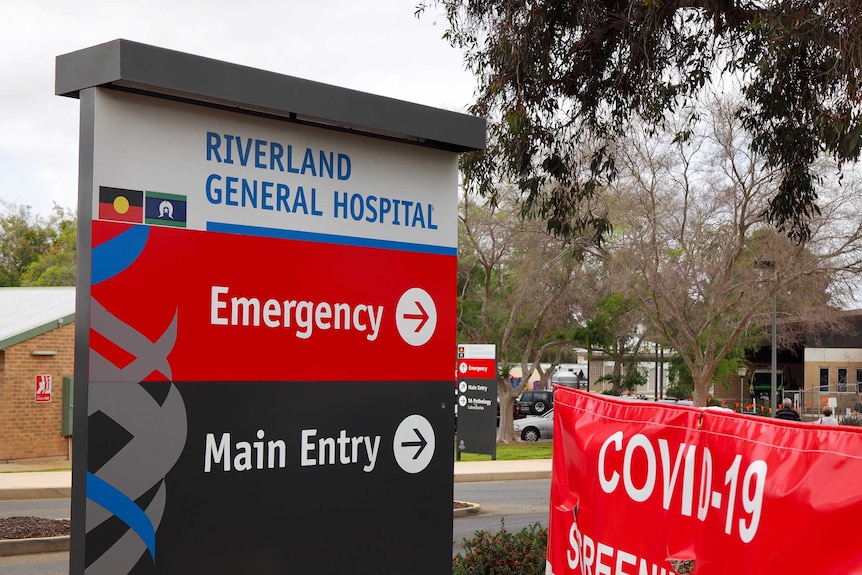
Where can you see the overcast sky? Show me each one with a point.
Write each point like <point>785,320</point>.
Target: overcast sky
<point>375,46</point>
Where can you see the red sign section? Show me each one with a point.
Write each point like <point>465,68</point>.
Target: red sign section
<point>730,492</point>
<point>476,368</point>
<point>248,308</point>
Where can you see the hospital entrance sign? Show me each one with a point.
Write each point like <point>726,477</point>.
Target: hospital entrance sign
<point>266,266</point>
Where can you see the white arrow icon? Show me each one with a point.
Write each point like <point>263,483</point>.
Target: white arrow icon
<point>416,317</point>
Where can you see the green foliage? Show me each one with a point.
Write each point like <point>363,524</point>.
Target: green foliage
<point>678,373</point>
<point>853,420</point>
<point>629,380</point>
<point>514,451</point>
<point>58,265</point>
<point>595,333</point>
<point>561,79</point>
<point>633,378</point>
<point>682,383</point>
<point>504,552</point>
<point>23,239</point>
<point>35,252</point>
<point>611,322</point>
<point>678,391</point>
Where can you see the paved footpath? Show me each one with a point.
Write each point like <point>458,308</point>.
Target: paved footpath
<point>53,479</point>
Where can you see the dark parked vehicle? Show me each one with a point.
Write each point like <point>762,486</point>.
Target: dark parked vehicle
<point>534,402</point>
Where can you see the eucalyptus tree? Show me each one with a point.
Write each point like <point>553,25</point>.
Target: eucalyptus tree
<point>703,259</point>
<point>558,75</point>
<point>516,289</point>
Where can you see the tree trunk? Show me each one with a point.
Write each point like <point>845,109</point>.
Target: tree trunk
<point>702,382</point>
<point>507,395</point>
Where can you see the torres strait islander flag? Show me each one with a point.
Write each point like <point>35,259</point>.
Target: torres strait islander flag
<point>165,209</point>
<point>121,205</point>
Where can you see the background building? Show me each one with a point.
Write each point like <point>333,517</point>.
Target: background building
<point>37,348</point>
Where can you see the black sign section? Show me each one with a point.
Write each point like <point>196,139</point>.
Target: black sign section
<point>477,416</point>
<point>291,477</point>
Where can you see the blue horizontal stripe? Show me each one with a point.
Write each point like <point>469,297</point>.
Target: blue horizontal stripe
<point>101,492</point>
<point>329,239</point>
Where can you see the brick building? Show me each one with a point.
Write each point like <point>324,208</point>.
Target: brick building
<point>37,341</point>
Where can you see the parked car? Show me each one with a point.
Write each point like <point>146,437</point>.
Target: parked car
<point>534,402</point>
<point>537,427</point>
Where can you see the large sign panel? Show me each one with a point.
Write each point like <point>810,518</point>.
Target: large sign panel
<point>271,326</point>
<point>732,493</point>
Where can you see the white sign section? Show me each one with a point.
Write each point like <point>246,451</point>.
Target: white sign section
<point>414,443</point>
<point>265,177</point>
<point>477,351</point>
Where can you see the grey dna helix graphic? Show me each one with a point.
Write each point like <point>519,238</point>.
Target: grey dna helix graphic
<point>158,435</point>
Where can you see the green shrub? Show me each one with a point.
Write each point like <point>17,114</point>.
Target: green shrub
<point>677,391</point>
<point>504,553</point>
<point>853,420</point>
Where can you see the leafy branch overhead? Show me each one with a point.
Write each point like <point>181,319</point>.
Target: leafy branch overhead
<point>561,80</point>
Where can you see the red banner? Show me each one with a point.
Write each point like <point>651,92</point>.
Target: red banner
<point>637,484</point>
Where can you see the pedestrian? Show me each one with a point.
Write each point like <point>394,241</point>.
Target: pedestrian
<point>787,411</point>
<point>827,417</point>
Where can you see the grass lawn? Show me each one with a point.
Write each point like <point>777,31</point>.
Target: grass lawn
<point>514,451</point>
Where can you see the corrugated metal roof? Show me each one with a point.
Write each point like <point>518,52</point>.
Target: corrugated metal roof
<point>26,312</point>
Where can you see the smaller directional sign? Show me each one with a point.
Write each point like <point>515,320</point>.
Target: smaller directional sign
<point>414,444</point>
<point>478,409</point>
<point>416,317</point>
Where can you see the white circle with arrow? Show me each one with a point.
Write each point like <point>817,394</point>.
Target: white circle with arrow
<point>416,316</point>
<point>414,444</point>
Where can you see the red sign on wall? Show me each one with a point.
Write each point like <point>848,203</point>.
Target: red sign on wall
<point>43,388</point>
<point>731,492</point>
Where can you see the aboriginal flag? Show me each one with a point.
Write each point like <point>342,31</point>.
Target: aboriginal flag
<point>121,205</point>
<point>165,209</point>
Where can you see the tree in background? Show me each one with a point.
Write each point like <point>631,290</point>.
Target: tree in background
<point>515,287</point>
<point>560,79</point>
<point>614,329</point>
<point>23,239</point>
<point>694,242</point>
<point>58,265</point>
<point>35,252</point>
<point>681,383</point>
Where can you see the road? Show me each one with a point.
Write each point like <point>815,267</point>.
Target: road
<point>517,503</point>
<point>46,508</point>
<point>42,563</point>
